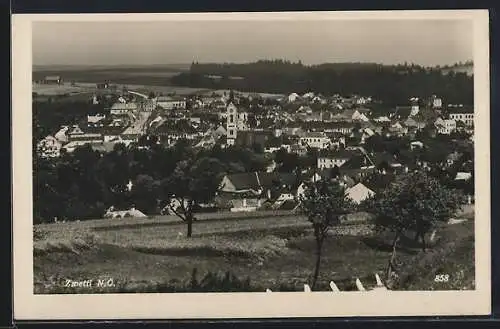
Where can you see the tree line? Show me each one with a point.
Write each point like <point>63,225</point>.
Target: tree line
<point>414,203</point>
<point>87,182</point>
<point>392,84</point>
<point>83,184</point>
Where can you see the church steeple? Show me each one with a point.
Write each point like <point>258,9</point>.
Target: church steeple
<point>231,97</point>
<point>231,123</point>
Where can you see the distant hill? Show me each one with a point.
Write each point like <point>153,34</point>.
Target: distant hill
<point>392,84</point>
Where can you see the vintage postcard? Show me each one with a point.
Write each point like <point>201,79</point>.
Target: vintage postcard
<point>251,165</point>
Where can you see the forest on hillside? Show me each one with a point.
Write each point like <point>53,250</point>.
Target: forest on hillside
<point>392,84</point>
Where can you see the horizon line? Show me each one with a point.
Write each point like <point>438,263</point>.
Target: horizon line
<point>465,62</point>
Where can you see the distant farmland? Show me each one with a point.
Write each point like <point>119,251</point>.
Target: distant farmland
<point>164,89</point>
<point>53,90</point>
<point>144,79</point>
<point>153,67</point>
<point>143,75</point>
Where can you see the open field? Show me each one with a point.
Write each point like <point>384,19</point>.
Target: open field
<point>277,252</point>
<point>53,90</point>
<point>246,94</point>
<point>162,89</point>
<point>90,88</point>
<point>159,220</point>
<point>160,73</point>
<point>146,75</point>
<point>142,79</point>
<point>45,69</point>
<point>85,91</point>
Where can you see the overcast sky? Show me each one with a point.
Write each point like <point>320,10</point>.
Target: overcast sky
<point>424,42</point>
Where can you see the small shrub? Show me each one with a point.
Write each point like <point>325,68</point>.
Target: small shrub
<point>266,206</point>
<point>218,282</point>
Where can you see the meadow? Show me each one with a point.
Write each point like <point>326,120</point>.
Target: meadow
<point>264,250</point>
<point>163,89</point>
<point>143,79</point>
<point>53,90</point>
<point>150,76</point>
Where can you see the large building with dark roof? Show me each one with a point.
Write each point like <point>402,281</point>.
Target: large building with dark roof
<point>250,138</point>
<point>256,183</point>
<point>464,114</point>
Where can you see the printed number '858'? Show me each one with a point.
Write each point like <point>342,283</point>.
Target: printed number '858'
<point>441,278</point>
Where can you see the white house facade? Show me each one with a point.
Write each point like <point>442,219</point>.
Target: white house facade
<point>315,140</point>
<point>447,127</point>
<point>467,118</point>
<point>122,108</point>
<point>330,162</point>
<point>169,103</point>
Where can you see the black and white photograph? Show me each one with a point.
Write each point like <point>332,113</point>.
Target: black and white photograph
<point>331,156</point>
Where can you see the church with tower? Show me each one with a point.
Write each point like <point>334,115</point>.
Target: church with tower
<point>236,120</point>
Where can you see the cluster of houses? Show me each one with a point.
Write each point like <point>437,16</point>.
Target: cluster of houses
<point>101,131</point>
<point>339,136</point>
<point>124,122</point>
<point>362,175</point>
<point>277,191</point>
<point>336,127</point>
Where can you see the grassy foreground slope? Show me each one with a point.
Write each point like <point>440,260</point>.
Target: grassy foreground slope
<point>269,252</point>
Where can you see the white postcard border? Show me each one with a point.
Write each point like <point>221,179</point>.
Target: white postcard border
<point>28,306</point>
